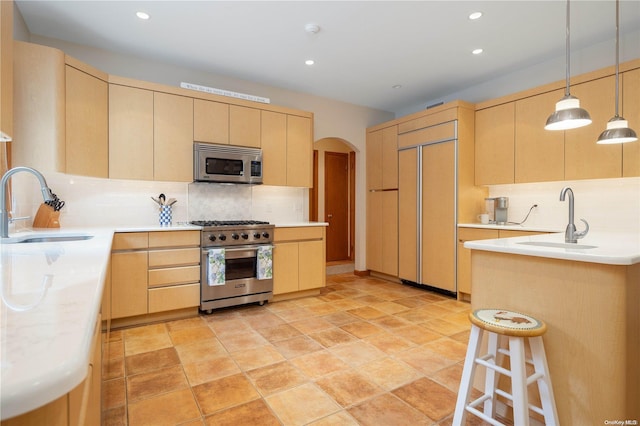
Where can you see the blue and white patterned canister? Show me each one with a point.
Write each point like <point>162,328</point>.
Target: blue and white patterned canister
<point>165,215</point>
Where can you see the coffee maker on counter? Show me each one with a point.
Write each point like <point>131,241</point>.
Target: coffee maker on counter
<point>497,208</point>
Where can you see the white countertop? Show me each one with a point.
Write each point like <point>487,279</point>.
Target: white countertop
<point>613,248</point>
<point>300,224</point>
<point>51,297</point>
<point>511,227</point>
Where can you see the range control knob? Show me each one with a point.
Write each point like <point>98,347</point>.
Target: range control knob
<point>235,236</point>
<point>222,237</point>
<point>265,234</point>
<point>244,236</point>
<point>212,237</point>
<point>256,235</point>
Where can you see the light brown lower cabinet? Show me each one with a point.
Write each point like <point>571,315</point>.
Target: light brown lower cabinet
<point>464,254</point>
<point>154,272</point>
<point>80,406</point>
<point>299,259</point>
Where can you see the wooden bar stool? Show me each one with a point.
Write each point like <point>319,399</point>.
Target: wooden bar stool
<point>501,324</point>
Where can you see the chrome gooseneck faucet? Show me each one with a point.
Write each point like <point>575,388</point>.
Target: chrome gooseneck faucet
<point>570,234</point>
<point>4,214</point>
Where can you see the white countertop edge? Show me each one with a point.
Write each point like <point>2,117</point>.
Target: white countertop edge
<point>300,224</point>
<point>21,394</point>
<point>510,227</point>
<point>612,248</point>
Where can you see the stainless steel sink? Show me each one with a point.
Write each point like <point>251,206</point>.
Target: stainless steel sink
<point>46,238</point>
<point>558,245</point>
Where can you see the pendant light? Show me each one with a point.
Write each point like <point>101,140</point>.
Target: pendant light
<point>568,114</point>
<point>618,130</point>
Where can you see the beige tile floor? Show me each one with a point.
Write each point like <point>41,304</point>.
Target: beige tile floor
<point>365,351</point>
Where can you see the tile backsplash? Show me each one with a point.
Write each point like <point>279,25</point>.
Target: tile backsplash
<point>607,204</point>
<point>112,202</point>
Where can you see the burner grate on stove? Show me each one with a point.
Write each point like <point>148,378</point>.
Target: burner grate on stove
<point>227,222</point>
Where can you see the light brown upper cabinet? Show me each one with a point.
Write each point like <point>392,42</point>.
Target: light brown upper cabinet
<point>244,126</point>
<point>299,151</point>
<point>539,153</point>
<point>584,158</point>
<point>382,158</point>
<point>631,112</point>
<point>494,149</point>
<point>172,138</point>
<point>210,121</point>
<point>87,123</point>
<point>130,133</point>
<point>274,148</point>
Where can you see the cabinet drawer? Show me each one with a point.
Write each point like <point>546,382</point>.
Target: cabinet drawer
<point>473,234</point>
<point>174,239</point>
<point>174,257</point>
<point>299,233</point>
<point>130,240</point>
<point>440,132</point>
<point>170,276</point>
<point>174,297</point>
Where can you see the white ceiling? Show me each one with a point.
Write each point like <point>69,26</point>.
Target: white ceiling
<point>363,48</point>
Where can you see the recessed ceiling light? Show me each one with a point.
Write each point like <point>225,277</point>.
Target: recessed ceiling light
<point>397,86</point>
<point>477,51</point>
<point>475,15</point>
<point>309,62</point>
<point>143,15</point>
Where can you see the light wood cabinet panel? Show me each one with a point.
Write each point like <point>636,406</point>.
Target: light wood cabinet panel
<point>128,284</point>
<point>299,259</point>
<point>87,122</point>
<point>285,267</point>
<point>374,160</point>
<point>174,297</point>
<point>210,121</point>
<point>274,148</point>
<point>382,225</point>
<point>311,265</point>
<point>539,153</point>
<point>584,158</point>
<point>374,225</point>
<point>159,258</point>
<point>130,241</point>
<point>390,157</point>
<point>172,138</point>
<point>389,233</point>
<point>408,214</point>
<point>436,132</point>
<point>439,215</point>
<point>299,151</point>
<point>244,126</point>
<point>130,133</point>
<point>631,112</point>
<point>6,69</point>
<point>171,276</point>
<point>174,239</point>
<point>464,255</point>
<point>494,144</point>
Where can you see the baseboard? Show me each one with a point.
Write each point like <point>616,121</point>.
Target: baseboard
<point>364,273</point>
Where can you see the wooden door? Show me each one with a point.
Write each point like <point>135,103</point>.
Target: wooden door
<point>299,151</point>
<point>274,148</point>
<point>494,153</point>
<point>336,204</point>
<point>408,215</point>
<point>439,216</point>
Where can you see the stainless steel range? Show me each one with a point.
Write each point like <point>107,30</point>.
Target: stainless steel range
<point>236,265</point>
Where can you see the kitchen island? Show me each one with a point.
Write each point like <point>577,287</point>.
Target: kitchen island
<point>588,295</point>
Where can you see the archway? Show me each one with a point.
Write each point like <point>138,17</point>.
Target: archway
<point>332,199</point>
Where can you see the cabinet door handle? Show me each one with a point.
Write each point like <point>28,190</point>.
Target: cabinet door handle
<point>329,216</point>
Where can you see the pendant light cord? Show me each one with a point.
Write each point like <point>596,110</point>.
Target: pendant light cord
<point>617,51</point>
<point>566,90</point>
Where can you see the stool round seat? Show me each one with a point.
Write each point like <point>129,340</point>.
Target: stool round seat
<point>507,323</point>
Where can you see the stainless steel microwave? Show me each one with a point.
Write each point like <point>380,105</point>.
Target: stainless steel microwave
<point>226,163</point>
